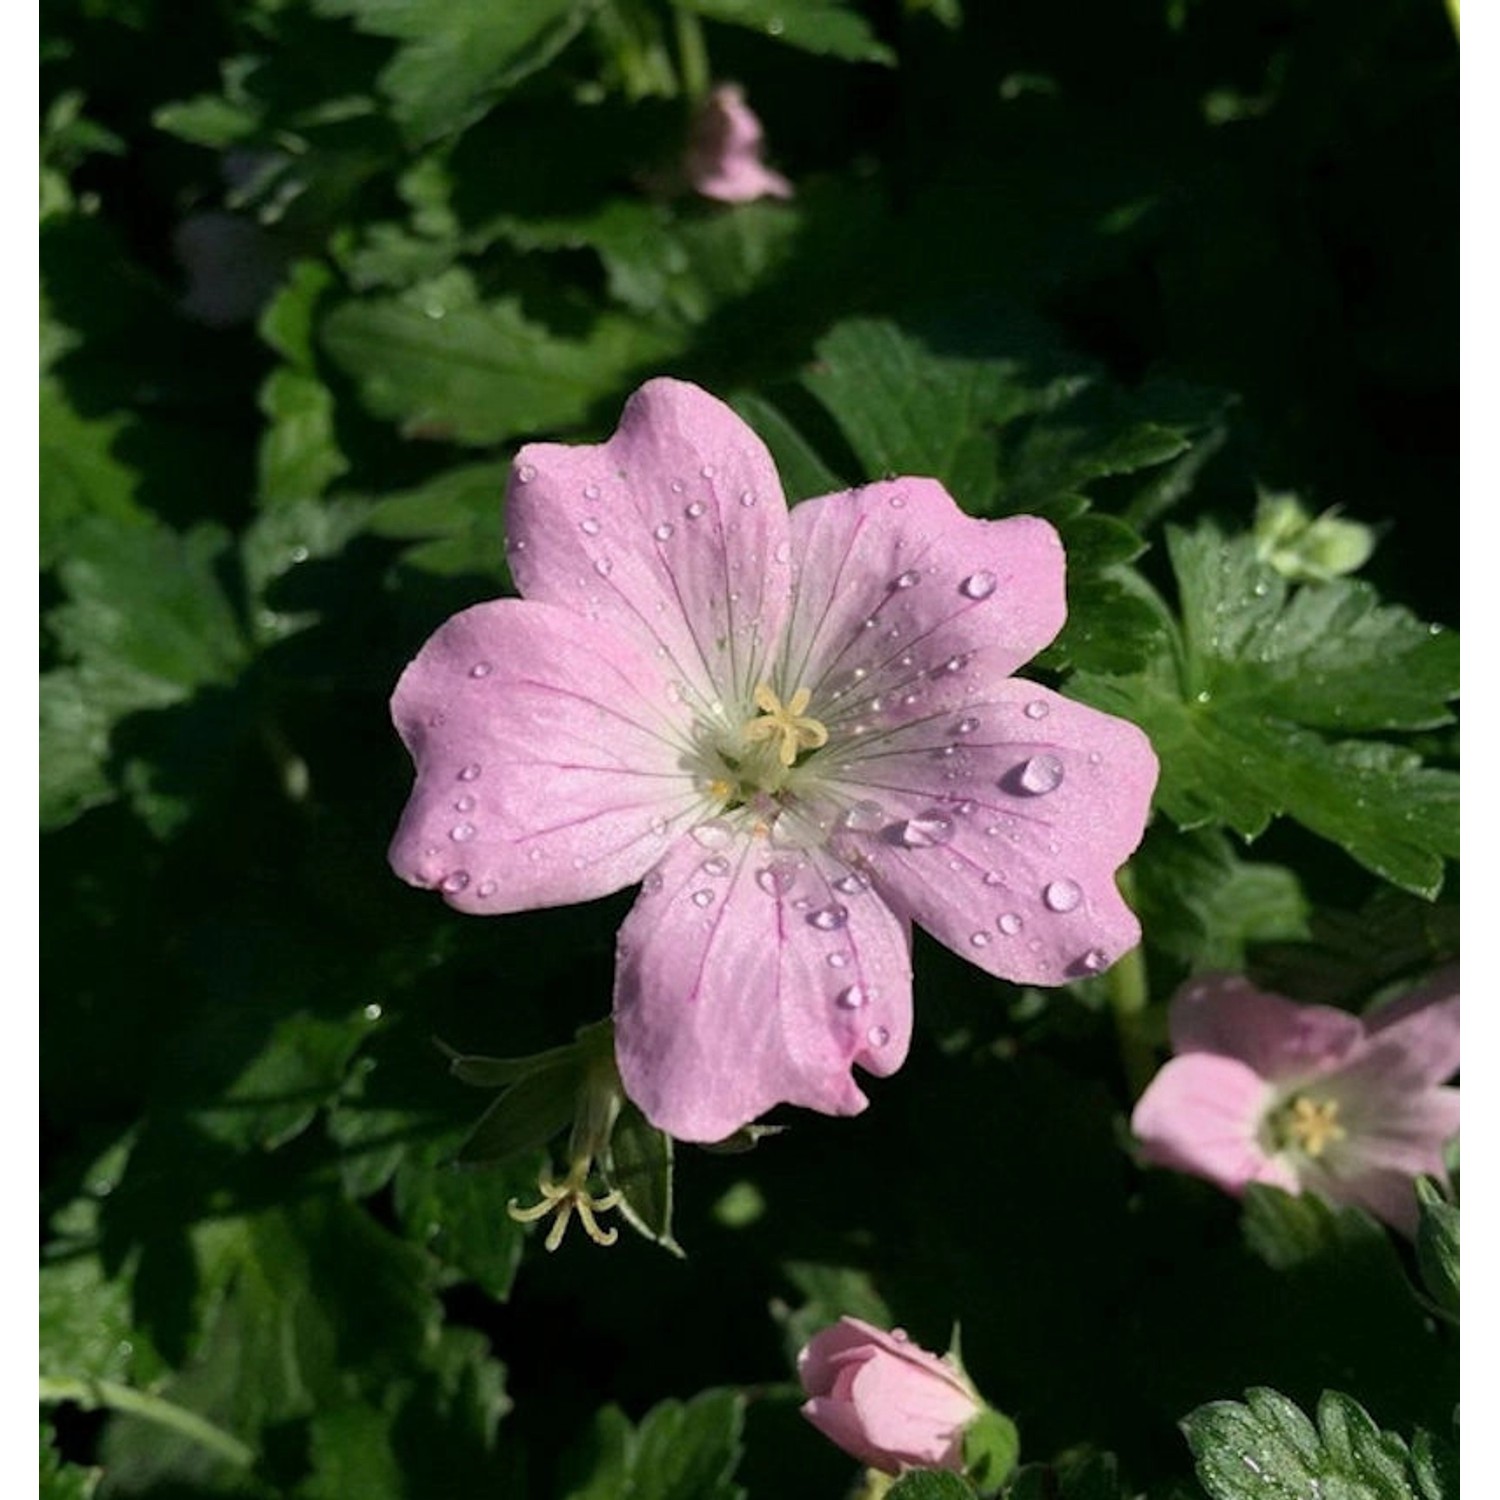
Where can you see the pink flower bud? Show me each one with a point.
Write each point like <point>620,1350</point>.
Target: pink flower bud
<point>885,1401</point>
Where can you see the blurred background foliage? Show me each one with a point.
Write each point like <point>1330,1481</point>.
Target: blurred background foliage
<point>311,270</point>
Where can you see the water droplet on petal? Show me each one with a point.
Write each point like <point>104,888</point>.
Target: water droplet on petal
<point>461,833</point>
<point>856,997</point>
<point>926,832</point>
<point>978,585</point>
<point>714,834</point>
<point>455,882</point>
<point>909,579</point>
<point>464,804</point>
<point>837,960</point>
<point>694,510</point>
<point>707,471</point>
<point>1062,895</point>
<point>487,888</point>
<point>718,866</point>
<point>966,726</point>
<point>993,877</point>
<point>830,918</point>
<point>898,502</point>
<point>1041,774</point>
<point>783,552</point>
<point>590,526</point>
<point>980,939</point>
<point>775,880</point>
<point>703,898</point>
<point>863,817</point>
<point>652,883</point>
<point>747,498</point>
<point>878,1036</point>
<point>481,669</point>
<point>1036,709</point>
<point>1009,923</point>
<point>852,883</point>
<point>470,772</point>
<point>1095,961</point>
<point>678,486</point>
<point>663,533</point>
<point>659,827</point>
<point>603,566</point>
<point>525,473</point>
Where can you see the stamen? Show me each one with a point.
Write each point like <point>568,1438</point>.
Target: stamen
<point>787,723</point>
<point>562,1199</point>
<point>1313,1124</point>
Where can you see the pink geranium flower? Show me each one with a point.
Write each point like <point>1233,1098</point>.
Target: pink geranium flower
<point>1305,1097</point>
<point>799,731</point>
<point>883,1400</point>
<point>723,156</point>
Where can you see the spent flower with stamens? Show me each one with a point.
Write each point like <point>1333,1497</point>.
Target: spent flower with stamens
<point>1305,1097</point>
<point>562,1199</point>
<point>799,731</point>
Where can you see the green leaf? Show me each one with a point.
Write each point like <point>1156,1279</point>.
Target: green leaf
<point>482,373</point>
<point>1267,1447</point>
<point>1436,1466</point>
<point>803,473</point>
<point>829,27</point>
<point>208,120</point>
<point>1237,715</point>
<point>991,1447</point>
<point>639,1164</point>
<point>457,55</point>
<point>456,519</point>
<point>461,1215</point>
<point>680,1451</point>
<point>1080,1474</point>
<point>528,1114</point>
<point>60,1480</point>
<point>1437,1246</point>
<point>1205,905</point>
<point>931,1484</point>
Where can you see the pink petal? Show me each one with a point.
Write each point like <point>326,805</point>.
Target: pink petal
<point>746,979</point>
<point>818,1362</point>
<point>998,823</point>
<point>548,760</point>
<point>905,606</point>
<point>1422,1027</point>
<point>1279,1039</point>
<point>673,533</point>
<point>1202,1114</point>
<point>1385,1192</point>
<point>723,157</point>
<point>911,1415</point>
<point>1395,1127</point>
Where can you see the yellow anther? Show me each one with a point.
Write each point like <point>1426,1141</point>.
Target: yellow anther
<point>721,790</point>
<point>562,1198</point>
<point>1313,1124</point>
<point>786,722</point>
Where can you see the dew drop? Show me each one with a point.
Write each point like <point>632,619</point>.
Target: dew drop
<point>856,997</point>
<point>470,772</point>
<point>837,960</point>
<point>966,726</point>
<point>993,877</point>
<point>980,939</point>
<point>1009,923</point>
<point>461,833</point>
<point>1095,961</point>
<point>747,498</point>
<point>714,834</point>
<point>926,832</point>
<point>718,866</point>
<point>878,1036</point>
<point>481,669</point>
<point>659,827</point>
<point>852,883</point>
<point>1095,759</point>
<point>464,804</point>
<point>652,883</point>
<point>603,566</point>
<point>783,552</point>
<point>863,817</point>
<point>1036,709</point>
<point>909,579</point>
<point>487,888</point>
<point>703,898</point>
<point>707,471</point>
<point>978,585</point>
<point>663,533</point>
<point>525,473</point>
<point>1062,895</point>
<point>678,486</point>
<point>1041,774</point>
<point>456,881</point>
<point>694,510</point>
<point>775,880</point>
<point>589,527</point>
<point>830,918</point>
<point>898,502</point>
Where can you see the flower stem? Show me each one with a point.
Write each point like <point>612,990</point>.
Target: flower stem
<point>1129,994</point>
<point>91,1394</point>
<point>692,54</point>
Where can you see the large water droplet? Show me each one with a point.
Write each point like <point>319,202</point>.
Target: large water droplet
<point>714,834</point>
<point>694,510</point>
<point>589,526</point>
<point>909,579</point>
<point>461,833</point>
<point>470,772</point>
<point>966,726</point>
<point>717,866</point>
<point>1062,895</point>
<point>702,898</point>
<point>663,533</point>
<point>830,918</point>
<point>856,997</point>
<point>1041,774</point>
<point>852,883</point>
<point>878,1036</point>
<point>978,585</point>
<point>1095,961</point>
<point>1009,923</point>
<point>980,939</point>
<point>775,880</point>
<point>926,832</point>
<point>455,882</point>
<point>1036,709</point>
<point>747,498</point>
<point>464,804</point>
<point>863,817</point>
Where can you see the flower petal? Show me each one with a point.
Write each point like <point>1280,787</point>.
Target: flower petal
<point>998,827</point>
<point>904,605</point>
<point>1279,1039</point>
<point>550,765</point>
<point>910,1416</point>
<point>1422,1027</point>
<point>746,978</point>
<point>1202,1114</point>
<point>674,531</point>
<point>723,157</point>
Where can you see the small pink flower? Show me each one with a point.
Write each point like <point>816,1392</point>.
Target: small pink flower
<point>799,731</point>
<point>884,1401</point>
<point>723,156</point>
<point>1305,1097</point>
